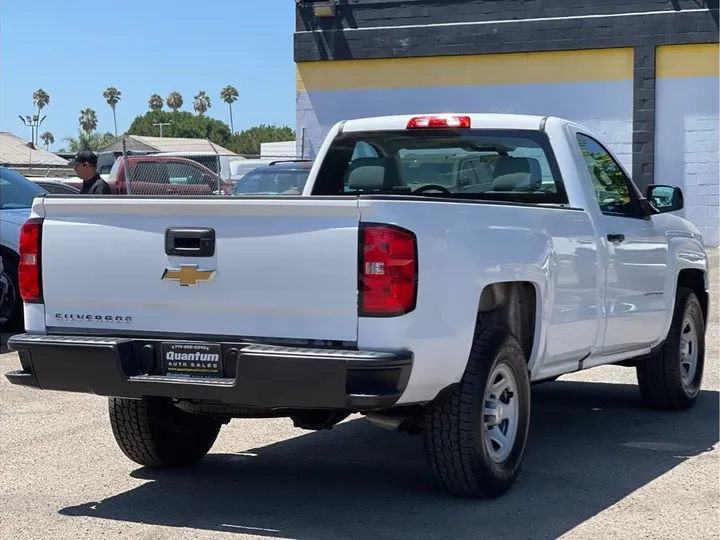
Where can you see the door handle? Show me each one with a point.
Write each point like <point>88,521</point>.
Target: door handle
<point>192,242</point>
<point>616,238</point>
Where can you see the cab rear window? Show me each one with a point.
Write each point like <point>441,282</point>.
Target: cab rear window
<point>504,165</point>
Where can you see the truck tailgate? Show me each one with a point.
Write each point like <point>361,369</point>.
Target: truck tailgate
<point>281,268</point>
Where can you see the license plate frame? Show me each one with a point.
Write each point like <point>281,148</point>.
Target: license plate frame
<point>192,360</point>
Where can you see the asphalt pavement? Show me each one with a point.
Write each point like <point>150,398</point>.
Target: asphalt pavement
<point>599,465</point>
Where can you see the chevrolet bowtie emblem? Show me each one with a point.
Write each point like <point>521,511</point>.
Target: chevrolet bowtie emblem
<point>188,275</point>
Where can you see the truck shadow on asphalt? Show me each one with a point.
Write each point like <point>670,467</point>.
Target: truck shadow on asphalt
<point>590,446</point>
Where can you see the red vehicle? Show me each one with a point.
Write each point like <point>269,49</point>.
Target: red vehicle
<point>159,175</point>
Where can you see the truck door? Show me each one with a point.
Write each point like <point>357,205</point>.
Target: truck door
<point>636,267</point>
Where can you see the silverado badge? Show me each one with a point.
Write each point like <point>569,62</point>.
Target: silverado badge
<point>188,275</point>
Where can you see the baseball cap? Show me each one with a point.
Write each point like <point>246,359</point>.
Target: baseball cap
<point>86,156</point>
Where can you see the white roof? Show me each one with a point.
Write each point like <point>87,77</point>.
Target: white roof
<point>179,144</point>
<point>15,151</point>
<point>477,120</point>
<point>199,153</point>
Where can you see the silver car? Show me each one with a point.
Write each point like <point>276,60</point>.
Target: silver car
<point>16,197</point>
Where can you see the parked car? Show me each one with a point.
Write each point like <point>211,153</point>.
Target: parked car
<point>240,167</point>
<point>108,158</point>
<point>220,164</point>
<point>158,175</point>
<point>16,197</point>
<point>284,176</point>
<point>55,186</point>
<point>427,304</point>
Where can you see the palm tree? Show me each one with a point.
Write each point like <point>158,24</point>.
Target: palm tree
<point>156,102</point>
<point>229,95</point>
<point>112,95</point>
<point>175,101</point>
<point>88,120</point>
<point>201,103</point>
<point>48,138</point>
<point>40,99</point>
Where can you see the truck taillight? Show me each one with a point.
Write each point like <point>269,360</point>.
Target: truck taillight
<point>439,121</point>
<point>388,271</point>
<point>29,279</point>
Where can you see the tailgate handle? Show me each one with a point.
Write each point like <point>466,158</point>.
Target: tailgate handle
<point>190,241</point>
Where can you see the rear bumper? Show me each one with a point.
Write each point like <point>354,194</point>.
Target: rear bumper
<point>261,376</point>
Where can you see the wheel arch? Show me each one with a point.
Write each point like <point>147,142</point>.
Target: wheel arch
<point>516,304</point>
<point>694,279</point>
<point>6,251</point>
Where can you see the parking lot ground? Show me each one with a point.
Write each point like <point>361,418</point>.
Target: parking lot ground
<point>599,466</point>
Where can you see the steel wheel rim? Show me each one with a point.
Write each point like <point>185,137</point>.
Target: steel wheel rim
<point>688,351</point>
<point>9,299</point>
<point>501,412</point>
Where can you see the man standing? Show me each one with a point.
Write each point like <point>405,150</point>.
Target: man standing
<point>86,168</point>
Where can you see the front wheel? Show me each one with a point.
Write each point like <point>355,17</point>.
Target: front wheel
<point>155,433</point>
<point>672,378</point>
<point>475,438</point>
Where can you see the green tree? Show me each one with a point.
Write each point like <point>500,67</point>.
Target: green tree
<point>88,120</point>
<point>41,99</point>
<point>156,102</point>
<point>182,124</point>
<point>175,101</point>
<point>48,138</point>
<point>201,103</point>
<point>89,140</point>
<point>248,141</point>
<point>229,95</point>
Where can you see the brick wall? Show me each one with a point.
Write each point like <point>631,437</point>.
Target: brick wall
<point>374,13</point>
<point>687,131</point>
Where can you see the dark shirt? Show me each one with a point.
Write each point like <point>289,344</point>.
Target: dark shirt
<point>95,186</point>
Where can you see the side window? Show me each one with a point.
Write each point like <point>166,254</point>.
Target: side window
<point>183,173</point>
<point>467,176</point>
<point>363,149</point>
<point>611,185</point>
<point>152,172</point>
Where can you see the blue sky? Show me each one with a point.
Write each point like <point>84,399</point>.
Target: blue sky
<point>75,49</point>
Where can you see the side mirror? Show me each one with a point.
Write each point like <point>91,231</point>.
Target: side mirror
<point>665,198</point>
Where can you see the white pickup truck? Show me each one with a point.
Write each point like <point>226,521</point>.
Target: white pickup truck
<point>432,269</point>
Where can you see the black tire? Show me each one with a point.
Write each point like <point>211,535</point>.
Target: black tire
<point>661,378</point>
<point>15,321</point>
<point>154,433</point>
<point>454,427</point>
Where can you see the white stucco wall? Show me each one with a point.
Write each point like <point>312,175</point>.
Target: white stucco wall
<point>687,132</point>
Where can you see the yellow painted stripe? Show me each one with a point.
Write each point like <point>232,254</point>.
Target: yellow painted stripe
<point>299,83</point>
<point>468,70</point>
<point>673,61</point>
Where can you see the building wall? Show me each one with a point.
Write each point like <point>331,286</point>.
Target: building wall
<point>557,83</point>
<point>393,56</point>
<point>687,130</point>
<point>281,149</point>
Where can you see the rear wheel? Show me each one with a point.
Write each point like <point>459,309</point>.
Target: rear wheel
<point>475,438</point>
<point>672,378</point>
<point>155,433</point>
